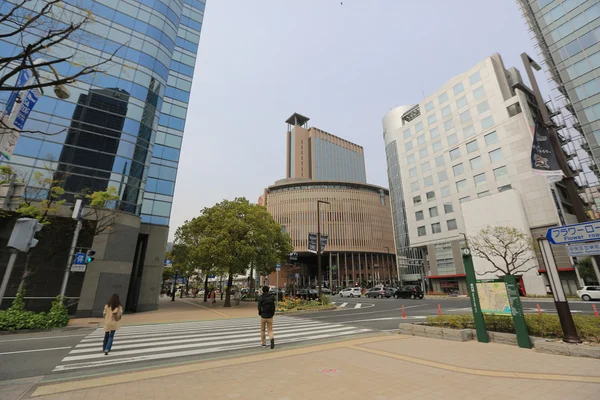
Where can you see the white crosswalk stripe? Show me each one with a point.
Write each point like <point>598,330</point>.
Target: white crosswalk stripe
<point>353,306</point>
<point>155,342</point>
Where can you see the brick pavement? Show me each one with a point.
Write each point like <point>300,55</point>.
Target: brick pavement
<point>379,367</point>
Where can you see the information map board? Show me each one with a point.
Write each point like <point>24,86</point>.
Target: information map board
<point>493,297</point>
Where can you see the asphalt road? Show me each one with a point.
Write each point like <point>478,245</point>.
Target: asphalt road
<point>76,353</point>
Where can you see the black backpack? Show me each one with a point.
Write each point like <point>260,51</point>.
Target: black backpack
<point>268,306</point>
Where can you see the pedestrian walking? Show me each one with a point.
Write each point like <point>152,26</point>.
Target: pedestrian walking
<point>236,297</point>
<point>113,312</point>
<point>212,297</point>
<point>266,310</point>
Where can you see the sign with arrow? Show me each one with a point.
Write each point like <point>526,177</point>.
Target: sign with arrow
<point>576,233</point>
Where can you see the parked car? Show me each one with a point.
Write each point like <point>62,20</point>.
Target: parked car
<point>409,291</point>
<point>379,292</point>
<point>588,293</point>
<point>325,290</point>
<point>309,294</point>
<point>350,292</point>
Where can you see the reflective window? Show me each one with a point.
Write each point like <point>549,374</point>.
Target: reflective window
<point>28,147</point>
<point>431,119</point>
<point>412,172</point>
<point>421,231</point>
<point>428,181</point>
<point>483,107</point>
<point>419,216</point>
<point>500,172</point>
<point>446,111</point>
<point>472,146</point>
<point>468,131</point>
<point>458,88</point>
<point>423,153</point>
<point>426,166</point>
<point>430,196</point>
<point>419,127</point>
<point>476,77</point>
<point>417,200</point>
<point>454,153</point>
<point>504,188</point>
<point>442,98</point>
<point>480,91</point>
<point>476,163</point>
<point>483,194</point>
<point>487,122</point>
<point>451,223</point>
<point>449,124</point>
<point>479,179</point>
<point>437,146</point>
<point>496,155</point>
<point>421,139</point>
<point>448,208</point>
<point>434,132</point>
<point>461,102</point>
<point>408,146</point>
<point>429,106</point>
<point>465,116</point>
<point>410,159</point>
<point>445,191</point>
<point>442,176</point>
<point>436,228</point>
<point>452,139</point>
<point>414,186</point>
<point>439,161</point>
<point>458,169</point>
<point>491,138</point>
<point>406,134</point>
<point>461,185</point>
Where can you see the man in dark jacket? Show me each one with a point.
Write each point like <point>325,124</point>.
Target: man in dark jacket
<point>266,310</point>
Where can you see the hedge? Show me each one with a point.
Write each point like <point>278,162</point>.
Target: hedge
<point>17,318</point>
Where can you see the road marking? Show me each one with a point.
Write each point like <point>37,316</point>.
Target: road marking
<point>34,350</point>
<point>382,319</point>
<point>352,306</point>
<point>358,305</point>
<point>38,338</point>
<point>343,304</point>
<point>351,313</point>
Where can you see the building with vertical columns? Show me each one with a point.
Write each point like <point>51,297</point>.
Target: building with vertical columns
<point>320,166</point>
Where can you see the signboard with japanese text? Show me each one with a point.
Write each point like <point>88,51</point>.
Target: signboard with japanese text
<point>584,250</point>
<point>576,233</point>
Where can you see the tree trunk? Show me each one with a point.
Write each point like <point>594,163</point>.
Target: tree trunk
<point>26,272</point>
<point>227,295</point>
<point>251,278</point>
<point>206,287</point>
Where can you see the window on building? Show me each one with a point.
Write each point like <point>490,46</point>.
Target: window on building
<point>465,116</point>
<point>451,223</point>
<point>449,124</point>
<point>419,127</point>
<point>504,188</point>
<point>476,77</point>
<point>410,159</point>
<point>428,181</point>
<point>421,231</point>
<point>407,134</point>
<point>426,166</point>
<point>429,106</point>
<point>458,169</point>
<point>419,215</point>
<point>445,191</point>
<point>491,138</point>
<point>433,212</point>
<point>439,161</point>
<point>468,131</point>
<point>461,102</point>
<point>430,196</point>
<point>483,194</point>
<point>477,93</point>
<point>458,88</point>
<point>500,172</point>
<point>472,146</point>
<point>431,119</point>
<point>446,111</point>
<point>414,186</point>
<point>476,162</point>
<point>442,98</point>
<point>423,153</point>
<point>452,139</point>
<point>454,154</point>
<point>444,258</point>
<point>417,200</point>
<point>434,132</point>
<point>436,227</point>
<point>421,139</point>
<point>514,109</point>
<point>487,122</point>
<point>437,146</point>
<point>408,146</point>
<point>464,199</point>
<point>461,185</point>
<point>448,208</point>
<point>442,176</point>
<point>479,179</point>
<point>412,172</point>
<point>496,155</point>
<point>483,107</point>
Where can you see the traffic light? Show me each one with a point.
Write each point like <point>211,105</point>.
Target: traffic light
<point>89,256</point>
<point>22,236</point>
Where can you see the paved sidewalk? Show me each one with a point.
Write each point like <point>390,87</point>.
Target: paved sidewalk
<point>379,367</point>
<point>186,309</point>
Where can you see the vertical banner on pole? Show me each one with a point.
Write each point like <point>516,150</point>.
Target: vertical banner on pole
<point>473,296</point>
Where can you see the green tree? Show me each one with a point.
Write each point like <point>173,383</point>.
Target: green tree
<point>586,270</point>
<point>507,249</point>
<point>233,234</point>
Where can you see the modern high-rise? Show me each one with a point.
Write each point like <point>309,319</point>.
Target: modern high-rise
<point>315,154</point>
<point>459,161</point>
<point>122,128</point>
<point>568,35</point>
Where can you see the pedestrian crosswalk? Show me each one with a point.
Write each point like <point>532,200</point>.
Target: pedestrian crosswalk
<point>340,304</point>
<point>143,343</point>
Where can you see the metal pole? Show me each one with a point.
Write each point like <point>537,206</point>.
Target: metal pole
<point>9,268</point>
<point>330,271</point>
<point>319,247</point>
<point>277,287</point>
<point>346,268</point>
<point>595,265</point>
<point>63,287</point>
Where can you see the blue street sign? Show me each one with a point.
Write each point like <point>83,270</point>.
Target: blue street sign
<point>582,250</point>
<point>278,267</point>
<point>26,105</point>
<point>79,259</point>
<point>567,234</point>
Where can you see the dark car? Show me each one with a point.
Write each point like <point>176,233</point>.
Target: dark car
<point>379,292</point>
<point>307,294</point>
<point>409,291</point>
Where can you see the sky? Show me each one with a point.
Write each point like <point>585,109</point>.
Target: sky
<point>343,66</point>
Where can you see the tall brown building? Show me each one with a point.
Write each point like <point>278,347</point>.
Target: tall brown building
<point>357,220</point>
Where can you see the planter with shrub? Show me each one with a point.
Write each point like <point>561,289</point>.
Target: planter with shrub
<point>17,318</point>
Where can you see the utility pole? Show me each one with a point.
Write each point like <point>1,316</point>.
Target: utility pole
<point>77,212</point>
<point>319,243</point>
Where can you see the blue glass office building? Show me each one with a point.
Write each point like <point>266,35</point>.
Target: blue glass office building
<point>122,128</point>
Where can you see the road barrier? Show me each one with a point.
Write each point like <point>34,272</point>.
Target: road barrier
<point>595,310</point>
<point>539,309</point>
<point>403,312</point>
<point>439,310</point>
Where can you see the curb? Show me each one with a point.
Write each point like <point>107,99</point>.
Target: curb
<point>538,344</point>
<point>63,329</point>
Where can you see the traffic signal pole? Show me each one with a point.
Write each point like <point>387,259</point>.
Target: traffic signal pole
<point>9,268</point>
<point>76,215</point>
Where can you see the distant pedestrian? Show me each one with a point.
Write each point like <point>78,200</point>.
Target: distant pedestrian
<point>212,297</point>
<point>266,310</point>
<point>236,297</point>
<point>113,312</point>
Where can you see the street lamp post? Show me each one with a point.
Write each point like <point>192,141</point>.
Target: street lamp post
<point>319,242</point>
<point>560,301</point>
<point>387,263</point>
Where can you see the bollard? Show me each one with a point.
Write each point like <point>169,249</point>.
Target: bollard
<point>595,310</point>
<point>539,309</point>
<point>403,312</point>
<point>439,310</point>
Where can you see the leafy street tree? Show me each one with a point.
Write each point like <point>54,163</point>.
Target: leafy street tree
<point>233,234</point>
<point>586,270</point>
<point>507,249</point>
<point>40,29</point>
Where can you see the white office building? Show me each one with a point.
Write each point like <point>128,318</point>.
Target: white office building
<point>459,161</point>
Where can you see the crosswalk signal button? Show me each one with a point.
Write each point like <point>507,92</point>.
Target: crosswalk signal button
<point>89,256</point>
